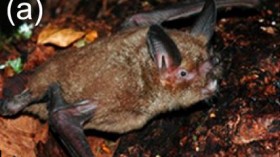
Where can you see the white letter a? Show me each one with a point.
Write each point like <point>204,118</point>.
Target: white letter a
<point>26,11</point>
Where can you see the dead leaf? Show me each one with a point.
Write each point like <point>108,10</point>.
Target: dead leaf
<point>9,72</point>
<point>269,30</point>
<point>256,129</point>
<point>46,32</point>
<point>91,36</point>
<point>61,37</point>
<point>38,56</point>
<point>17,136</point>
<point>102,147</point>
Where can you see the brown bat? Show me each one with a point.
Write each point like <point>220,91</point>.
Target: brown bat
<point>119,83</point>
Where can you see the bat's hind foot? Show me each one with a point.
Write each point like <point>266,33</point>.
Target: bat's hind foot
<point>67,120</point>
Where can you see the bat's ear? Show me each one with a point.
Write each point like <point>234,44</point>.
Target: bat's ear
<point>205,24</point>
<point>163,49</point>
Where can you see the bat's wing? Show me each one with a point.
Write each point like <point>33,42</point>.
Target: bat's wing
<point>181,10</point>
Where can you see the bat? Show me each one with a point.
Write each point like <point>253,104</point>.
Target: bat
<point>119,83</point>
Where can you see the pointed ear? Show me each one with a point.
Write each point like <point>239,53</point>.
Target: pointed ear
<point>205,24</point>
<point>162,49</point>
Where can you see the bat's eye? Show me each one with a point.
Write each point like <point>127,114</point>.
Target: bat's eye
<point>183,73</point>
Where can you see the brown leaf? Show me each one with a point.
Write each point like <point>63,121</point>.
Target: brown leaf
<point>17,136</point>
<point>91,36</point>
<point>256,129</point>
<point>38,56</point>
<point>61,37</point>
<point>9,72</point>
<point>102,147</point>
<point>269,30</point>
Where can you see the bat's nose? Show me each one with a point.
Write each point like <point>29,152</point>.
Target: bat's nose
<point>205,67</point>
<point>215,60</point>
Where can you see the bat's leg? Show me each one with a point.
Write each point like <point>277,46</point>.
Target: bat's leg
<point>181,10</point>
<point>12,106</point>
<point>16,96</point>
<point>67,120</point>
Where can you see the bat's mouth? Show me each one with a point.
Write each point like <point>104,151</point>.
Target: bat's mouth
<point>211,69</point>
<point>210,87</point>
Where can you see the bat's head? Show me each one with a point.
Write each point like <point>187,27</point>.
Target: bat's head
<point>182,59</point>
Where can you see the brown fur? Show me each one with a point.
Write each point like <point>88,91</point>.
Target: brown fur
<point>119,74</point>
